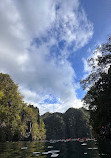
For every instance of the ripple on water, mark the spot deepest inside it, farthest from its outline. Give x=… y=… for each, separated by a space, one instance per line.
x=93 y=148
x=50 y=147
x=54 y=151
x=37 y=155
x=84 y=144
x=40 y=149
x=51 y=151
x=36 y=152
x=54 y=155
x=24 y=148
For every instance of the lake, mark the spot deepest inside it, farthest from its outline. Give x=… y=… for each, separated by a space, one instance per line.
x=59 y=149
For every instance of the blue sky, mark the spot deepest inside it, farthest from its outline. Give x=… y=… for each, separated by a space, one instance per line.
x=98 y=12
x=44 y=46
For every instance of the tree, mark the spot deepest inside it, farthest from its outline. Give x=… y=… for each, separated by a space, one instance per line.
x=18 y=121
x=99 y=64
x=42 y=130
x=10 y=106
x=98 y=86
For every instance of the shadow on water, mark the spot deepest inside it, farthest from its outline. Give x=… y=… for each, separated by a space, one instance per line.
x=70 y=149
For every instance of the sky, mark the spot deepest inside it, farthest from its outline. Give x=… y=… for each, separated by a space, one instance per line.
x=44 y=47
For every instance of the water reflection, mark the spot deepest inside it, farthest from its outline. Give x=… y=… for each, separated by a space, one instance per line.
x=21 y=149
x=77 y=150
x=70 y=149
x=104 y=147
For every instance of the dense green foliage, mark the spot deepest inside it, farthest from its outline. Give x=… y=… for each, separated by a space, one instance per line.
x=72 y=124
x=18 y=121
x=98 y=84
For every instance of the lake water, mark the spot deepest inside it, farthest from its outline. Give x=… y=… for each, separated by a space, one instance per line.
x=59 y=149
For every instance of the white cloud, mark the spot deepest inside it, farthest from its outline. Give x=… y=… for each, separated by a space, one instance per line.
x=59 y=106
x=36 y=16
x=62 y=107
x=76 y=27
x=87 y=68
x=34 y=67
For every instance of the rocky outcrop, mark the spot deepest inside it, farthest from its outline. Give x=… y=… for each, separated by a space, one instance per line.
x=71 y=124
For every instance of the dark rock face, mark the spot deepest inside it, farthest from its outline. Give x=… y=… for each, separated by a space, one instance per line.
x=72 y=124
x=76 y=123
x=55 y=125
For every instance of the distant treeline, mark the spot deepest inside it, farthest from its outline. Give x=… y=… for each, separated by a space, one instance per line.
x=18 y=121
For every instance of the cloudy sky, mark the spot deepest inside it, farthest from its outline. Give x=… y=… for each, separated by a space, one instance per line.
x=44 y=45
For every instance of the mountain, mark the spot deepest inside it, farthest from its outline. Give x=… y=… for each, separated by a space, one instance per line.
x=74 y=123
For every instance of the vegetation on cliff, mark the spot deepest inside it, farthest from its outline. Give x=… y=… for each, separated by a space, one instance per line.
x=71 y=124
x=18 y=121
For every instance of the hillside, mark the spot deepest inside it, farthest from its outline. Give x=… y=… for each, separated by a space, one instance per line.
x=71 y=124
x=18 y=120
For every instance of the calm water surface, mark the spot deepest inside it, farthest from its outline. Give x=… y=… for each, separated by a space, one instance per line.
x=70 y=149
